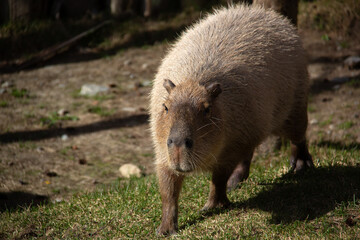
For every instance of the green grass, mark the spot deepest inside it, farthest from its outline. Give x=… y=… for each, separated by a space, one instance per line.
x=4 y=104
x=54 y=118
x=19 y=93
x=326 y=122
x=100 y=111
x=271 y=204
x=311 y=108
x=346 y=125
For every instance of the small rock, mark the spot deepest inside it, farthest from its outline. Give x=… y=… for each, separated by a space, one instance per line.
x=2 y=90
x=93 y=89
x=64 y=137
x=128 y=170
x=352 y=62
x=147 y=83
x=314 y=121
x=62 y=112
x=127 y=62
x=128 y=109
x=40 y=149
x=331 y=126
x=144 y=66
x=131 y=76
x=7 y=84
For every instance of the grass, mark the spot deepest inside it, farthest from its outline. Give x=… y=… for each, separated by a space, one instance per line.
x=19 y=93
x=100 y=111
x=346 y=125
x=320 y=204
x=326 y=122
x=4 y=104
x=54 y=118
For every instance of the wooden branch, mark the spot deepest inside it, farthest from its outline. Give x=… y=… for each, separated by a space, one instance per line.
x=59 y=48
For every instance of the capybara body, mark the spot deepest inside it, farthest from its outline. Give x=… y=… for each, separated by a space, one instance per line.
x=231 y=80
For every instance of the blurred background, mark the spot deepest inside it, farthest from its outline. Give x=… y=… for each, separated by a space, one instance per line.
x=75 y=78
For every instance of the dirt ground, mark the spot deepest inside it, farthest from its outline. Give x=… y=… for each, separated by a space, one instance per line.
x=46 y=157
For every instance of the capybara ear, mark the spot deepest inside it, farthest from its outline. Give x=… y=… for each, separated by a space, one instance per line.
x=168 y=85
x=213 y=89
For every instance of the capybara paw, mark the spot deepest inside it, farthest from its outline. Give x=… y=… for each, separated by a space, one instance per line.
x=165 y=231
x=218 y=204
x=300 y=165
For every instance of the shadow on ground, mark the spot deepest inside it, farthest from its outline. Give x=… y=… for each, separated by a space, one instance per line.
x=35 y=135
x=295 y=197
x=14 y=200
x=308 y=196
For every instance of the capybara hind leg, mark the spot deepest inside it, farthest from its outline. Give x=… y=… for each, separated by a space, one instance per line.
x=241 y=171
x=170 y=186
x=217 y=196
x=295 y=130
x=300 y=157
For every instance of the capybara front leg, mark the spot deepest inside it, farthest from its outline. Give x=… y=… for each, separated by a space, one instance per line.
x=300 y=157
x=217 y=196
x=170 y=186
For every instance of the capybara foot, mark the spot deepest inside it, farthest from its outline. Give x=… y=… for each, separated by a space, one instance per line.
x=211 y=204
x=166 y=230
x=300 y=159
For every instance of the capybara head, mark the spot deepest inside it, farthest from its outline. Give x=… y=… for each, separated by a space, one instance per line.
x=189 y=125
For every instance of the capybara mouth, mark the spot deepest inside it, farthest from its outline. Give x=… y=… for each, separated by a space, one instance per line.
x=183 y=170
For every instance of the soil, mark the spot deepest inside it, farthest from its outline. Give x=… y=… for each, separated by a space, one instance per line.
x=44 y=156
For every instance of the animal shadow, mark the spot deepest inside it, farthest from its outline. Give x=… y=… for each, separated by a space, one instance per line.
x=309 y=195
x=15 y=200
x=301 y=197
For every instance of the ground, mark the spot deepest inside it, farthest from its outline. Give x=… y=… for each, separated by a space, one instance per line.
x=44 y=156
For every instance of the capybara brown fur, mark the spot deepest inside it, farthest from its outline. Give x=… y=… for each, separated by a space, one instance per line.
x=231 y=80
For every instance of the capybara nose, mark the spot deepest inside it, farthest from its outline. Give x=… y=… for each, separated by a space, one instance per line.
x=188 y=143
x=179 y=142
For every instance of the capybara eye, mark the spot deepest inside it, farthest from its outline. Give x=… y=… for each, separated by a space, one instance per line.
x=166 y=109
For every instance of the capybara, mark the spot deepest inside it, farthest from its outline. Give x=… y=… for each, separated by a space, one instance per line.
x=231 y=80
